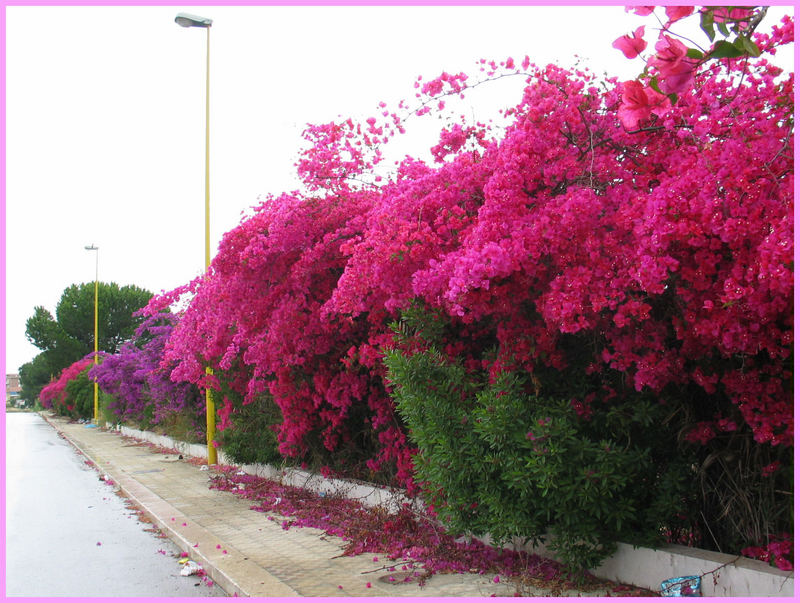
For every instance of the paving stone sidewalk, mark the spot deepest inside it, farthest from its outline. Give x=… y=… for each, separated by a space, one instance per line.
x=243 y=552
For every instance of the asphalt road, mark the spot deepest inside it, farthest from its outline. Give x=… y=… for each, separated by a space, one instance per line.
x=69 y=534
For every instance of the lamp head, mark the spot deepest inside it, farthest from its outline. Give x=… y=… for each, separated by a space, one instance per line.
x=91 y=248
x=187 y=20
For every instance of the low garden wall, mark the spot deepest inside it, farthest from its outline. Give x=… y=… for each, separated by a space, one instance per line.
x=722 y=575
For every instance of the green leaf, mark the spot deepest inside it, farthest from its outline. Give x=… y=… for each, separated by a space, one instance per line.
x=723 y=29
x=673 y=98
x=750 y=47
x=707 y=24
x=654 y=85
x=725 y=50
x=693 y=53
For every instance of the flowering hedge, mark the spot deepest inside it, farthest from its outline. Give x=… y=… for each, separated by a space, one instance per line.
x=140 y=389
x=67 y=395
x=635 y=236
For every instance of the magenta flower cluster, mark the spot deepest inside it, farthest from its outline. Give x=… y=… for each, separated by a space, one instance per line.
x=656 y=221
x=140 y=387
x=673 y=247
x=54 y=395
x=778 y=551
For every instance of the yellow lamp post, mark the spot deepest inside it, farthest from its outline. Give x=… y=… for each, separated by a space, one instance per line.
x=96 y=272
x=187 y=20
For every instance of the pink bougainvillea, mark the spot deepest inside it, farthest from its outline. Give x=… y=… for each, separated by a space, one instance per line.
x=660 y=229
x=631 y=45
x=675 y=69
x=778 y=552
x=54 y=394
x=639 y=103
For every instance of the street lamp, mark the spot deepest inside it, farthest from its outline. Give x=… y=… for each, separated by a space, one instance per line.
x=187 y=20
x=96 y=267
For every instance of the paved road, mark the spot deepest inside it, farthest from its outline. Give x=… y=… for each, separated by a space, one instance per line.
x=69 y=534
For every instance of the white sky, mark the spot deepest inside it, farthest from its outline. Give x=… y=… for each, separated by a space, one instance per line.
x=105 y=117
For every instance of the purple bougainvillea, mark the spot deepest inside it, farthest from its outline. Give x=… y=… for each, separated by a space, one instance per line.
x=140 y=386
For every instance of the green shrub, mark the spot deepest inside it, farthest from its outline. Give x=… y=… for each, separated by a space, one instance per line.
x=500 y=458
x=80 y=395
x=181 y=425
x=251 y=438
x=106 y=414
x=146 y=417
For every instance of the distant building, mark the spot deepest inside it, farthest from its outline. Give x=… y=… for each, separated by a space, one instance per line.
x=13 y=389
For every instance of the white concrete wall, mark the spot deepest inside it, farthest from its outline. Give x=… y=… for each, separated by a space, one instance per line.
x=725 y=575
x=722 y=575
x=198 y=450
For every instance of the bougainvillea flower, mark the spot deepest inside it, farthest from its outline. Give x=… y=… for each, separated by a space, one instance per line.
x=676 y=83
x=642 y=11
x=676 y=13
x=631 y=45
x=224 y=414
x=675 y=70
x=701 y=433
x=725 y=14
x=638 y=103
x=784 y=564
x=775 y=552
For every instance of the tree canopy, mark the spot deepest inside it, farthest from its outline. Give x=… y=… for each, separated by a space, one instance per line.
x=69 y=336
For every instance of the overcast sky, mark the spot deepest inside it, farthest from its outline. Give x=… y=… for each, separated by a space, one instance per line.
x=105 y=117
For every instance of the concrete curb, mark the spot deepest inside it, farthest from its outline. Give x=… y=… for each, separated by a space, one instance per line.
x=722 y=575
x=158 y=510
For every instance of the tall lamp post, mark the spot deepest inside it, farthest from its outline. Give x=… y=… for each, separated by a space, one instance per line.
x=96 y=273
x=187 y=20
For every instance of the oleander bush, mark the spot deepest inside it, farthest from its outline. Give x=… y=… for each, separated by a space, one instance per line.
x=516 y=457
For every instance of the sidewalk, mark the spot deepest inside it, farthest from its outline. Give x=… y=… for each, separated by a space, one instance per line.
x=243 y=552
